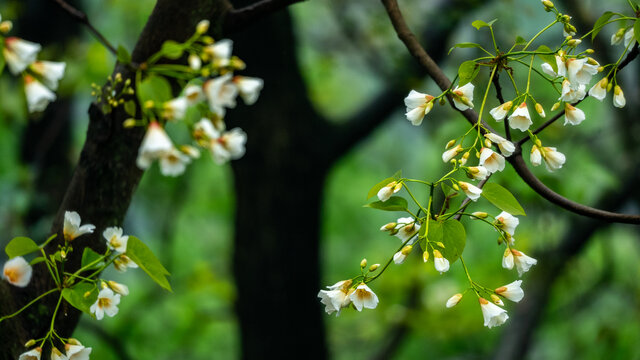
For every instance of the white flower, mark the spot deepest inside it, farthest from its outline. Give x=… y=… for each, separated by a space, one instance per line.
x=38 y=95
x=195 y=63
x=33 y=354
x=491 y=160
x=573 y=115
x=249 y=88
x=107 y=303
x=548 y=69
x=155 y=144
x=77 y=352
x=441 y=264
x=122 y=262
x=511 y=291
x=454 y=300
x=571 y=93
x=19 y=53
x=536 y=157
x=478 y=172
x=599 y=90
x=507 y=259
x=506 y=147
x=363 y=297
x=220 y=51
x=72 y=228
x=418 y=105
x=174 y=163
x=119 y=288
x=473 y=192
x=391 y=188
x=202 y=26
x=221 y=94
x=617 y=37
x=17 y=272
x=618 y=97
x=500 y=112
x=463 y=97
x=401 y=255
x=175 y=109
x=553 y=159
x=540 y=110
x=51 y=72
x=57 y=355
x=451 y=153
x=337 y=297
x=204 y=130
x=507 y=222
x=193 y=93
x=230 y=146
x=580 y=71
x=520 y=118
x=493 y=314
x=408 y=228
x=629 y=37
x=115 y=240
x=523 y=262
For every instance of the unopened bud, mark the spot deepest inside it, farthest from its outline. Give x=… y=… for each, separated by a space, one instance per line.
x=454 y=300
x=103 y=285
x=617 y=90
x=480 y=214
x=574 y=42
x=6 y=26
x=208 y=40
x=450 y=144
x=565 y=18
x=592 y=61
x=202 y=27
x=29 y=343
x=555 y=106
x=590 y=51
x=425 y=256
x=86 y=294
x=388 y=227
x=363 y=263
x=477 y=154
x=487 y=143
x=548 y=5
x=374 y=267
x=440 y=244
x=609 y=87
x=397 y=187
x=538 y=143
x=496 y=299
x=455 y=187
x=600 y=69
x=540 y=110
x=406 y=250
x=129 y=123
x=149 y=104
x=63 y=254
x=442 y=101
x=73 y=341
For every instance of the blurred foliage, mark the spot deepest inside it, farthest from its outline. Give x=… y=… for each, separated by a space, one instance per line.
x=594 y=311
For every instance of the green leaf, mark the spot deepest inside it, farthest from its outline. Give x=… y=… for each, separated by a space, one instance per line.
x=502 y=199
x=520 y=41
x=130 y=108
x=172 y=49
x=374 y=190
x=89 y=256
x=467 y=71
x=465 y=45
x=123 y=55
x=37 y=260
x=478 y=24
x=395 y=203
x=549 y=59
x=144 y=257
x=454 y=238
x=20 y=246
x=600 y=23
x=154 y=88
x=636 y=30
x=75 y=296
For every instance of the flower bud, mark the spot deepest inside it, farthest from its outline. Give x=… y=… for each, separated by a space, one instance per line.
x=202 y=27
x=388 y=227
x=450 y=144
x=496 y=299
x=480 y=214
x=29 y=343
x=6 y=26
x=487 y=143
x=129 y=123
x=609 y=87
x=397 y=187
x=555 y=106
x=425 y=256
x=72 y=341
x=406 y=250
x=548 y=5
x=574 y=42
x=207 y=40
x=540 y=110
x=119 y=288
x=590 y=51
x=454 y=300
x=363 y=263
x=149 y=104
x=442 y=101
x=374 y=267
x=538 y=143
x=86 y=294
x=455 y=187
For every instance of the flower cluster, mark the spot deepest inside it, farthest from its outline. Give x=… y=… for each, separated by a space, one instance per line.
x=40 y=77
x=73 y=350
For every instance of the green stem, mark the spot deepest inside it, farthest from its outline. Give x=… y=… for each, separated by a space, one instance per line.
x=26 y=306
x=390 y=260
x=539 y=33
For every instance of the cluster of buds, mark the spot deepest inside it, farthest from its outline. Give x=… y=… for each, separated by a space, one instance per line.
x=113 y=93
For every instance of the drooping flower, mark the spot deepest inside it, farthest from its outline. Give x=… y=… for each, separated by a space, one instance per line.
x=77 y=352
x=19 y=53
x=118 y=288
x=220 y=52
x=72 y=228
x=451 y=153
x=107 y=303
x=249 y=88
x=473 y=192
x=221 y=93
x=536 y=156
x=520 y=118
x=540 y=110
x=572 y=93
x=115 y=240
x=418 y=105
x=511 y=291
x=175 y=109
x=388 y=190
x=409 y=227
x=193 y=94
x=507 y=259
x=122 y=262
x=454 y=300
x=51 y=72
x=155 y=144
x=553 y=159
x=17 y=272
x=522 y=261
x=506 y=147
x=363 y=297
x=629 y=37
x=500 y=112
x=33 y=354
x=38 y=95
x=573 y=115
x=440 y=262
x=57 y=355
x=599 y=90
x=493 y=314
x=401 y=255
x=229 y=146
x=618 y=97
x=337 y=297
x=463 y=97
x=491 y=160
x=580 y=71
x=478 y=172
x=548 y=69
x=617 y=37
x=507 y=222
x=174 y=163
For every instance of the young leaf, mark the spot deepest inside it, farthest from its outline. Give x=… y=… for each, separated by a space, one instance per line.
x=478 y=24
x=123 y=55
x=374 y=190
x=600 y=23
x=502 y=199
x=130 y=108
x=465 y=45
x=20 y=246
x=39 y=259
x=454 y=238
x=548 y=58
x=89 y=256
x=155 y=88
x=395 y=203
x=467 y=71
x=172 y=49
x=75 y=296
x=636 y=30
x=520 y=41
x=144 y=257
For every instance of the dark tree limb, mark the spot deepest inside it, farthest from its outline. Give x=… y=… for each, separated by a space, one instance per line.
x=84 y=19
x=237 y=19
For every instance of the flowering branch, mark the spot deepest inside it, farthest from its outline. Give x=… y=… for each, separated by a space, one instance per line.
x=414 y=47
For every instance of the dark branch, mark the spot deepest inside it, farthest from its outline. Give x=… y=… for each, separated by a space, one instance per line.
x=83 y=19
x=414 y=47
x=237 y=19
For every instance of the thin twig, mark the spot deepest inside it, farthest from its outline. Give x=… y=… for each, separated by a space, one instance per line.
x=414 y=47
x=84 y=19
